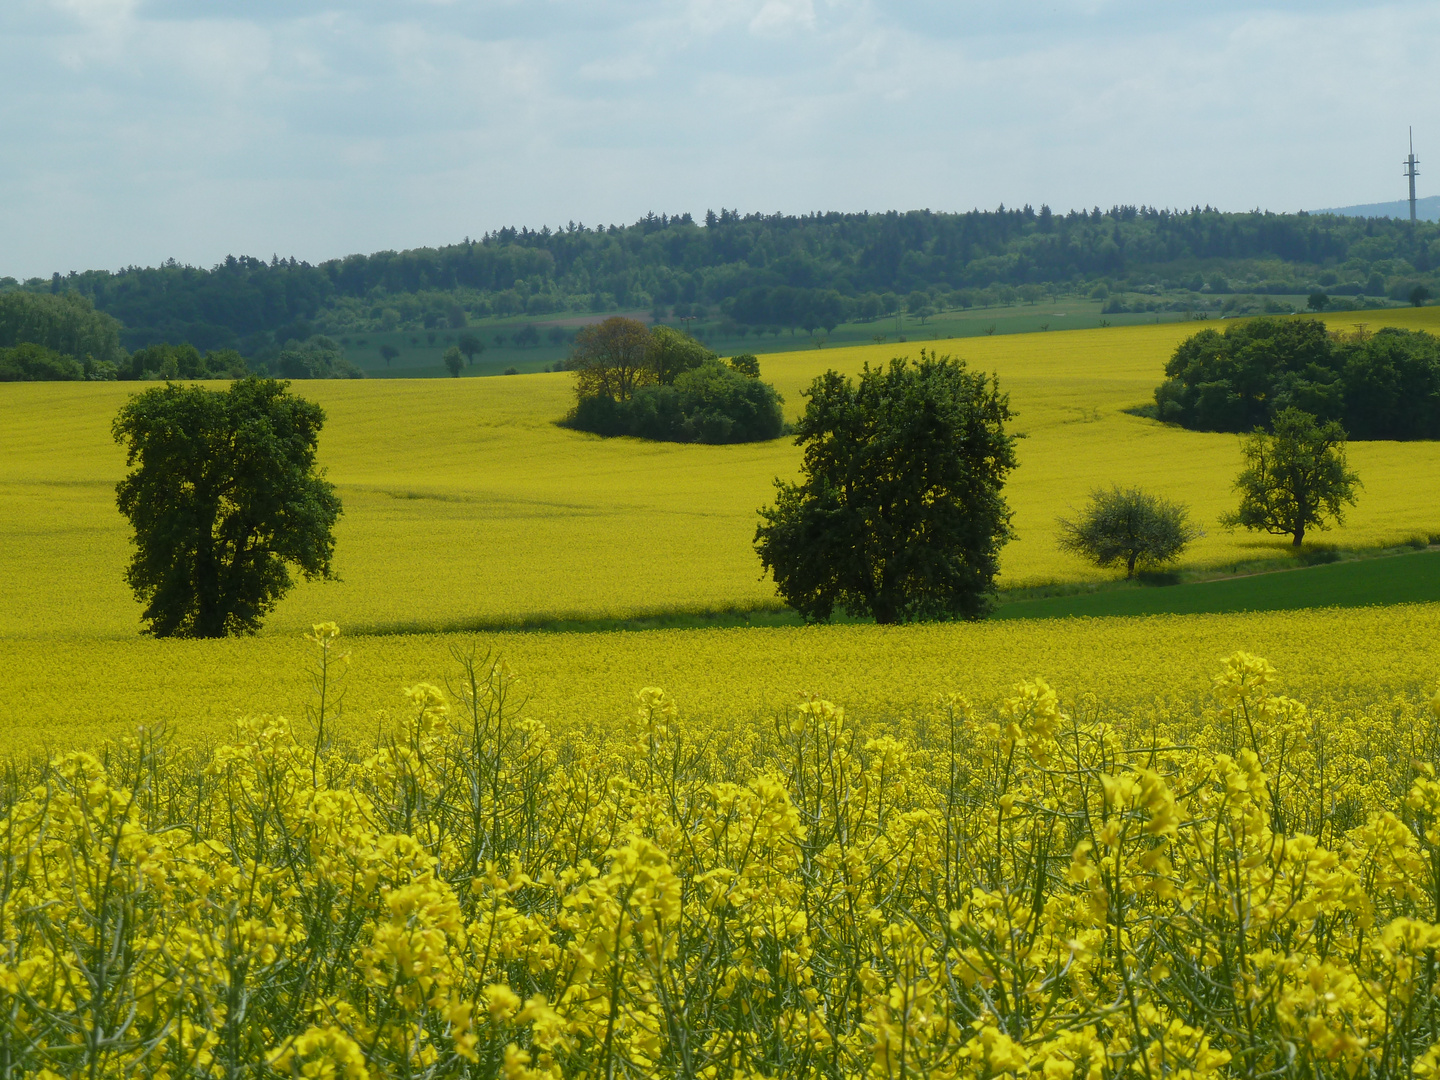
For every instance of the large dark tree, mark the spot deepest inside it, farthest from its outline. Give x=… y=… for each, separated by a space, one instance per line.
x=900 y=513
x=224 y=497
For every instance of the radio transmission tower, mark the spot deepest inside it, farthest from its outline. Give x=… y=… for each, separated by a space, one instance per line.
x=1411 y=172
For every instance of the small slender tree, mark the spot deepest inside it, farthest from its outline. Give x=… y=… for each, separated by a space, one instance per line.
x=454 y=362
x=1130 y=528
x=224 y=498
x=471 y=345
x=1294 y=479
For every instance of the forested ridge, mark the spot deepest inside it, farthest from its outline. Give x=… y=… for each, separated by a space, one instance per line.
x=741 y=265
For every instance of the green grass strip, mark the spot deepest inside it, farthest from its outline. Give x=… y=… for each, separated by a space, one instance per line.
x=1398 y=579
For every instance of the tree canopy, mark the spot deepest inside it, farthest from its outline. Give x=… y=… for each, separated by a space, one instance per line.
x=67 y=324
x=35 y=363
x=1384 y=385
x=673 y=353
x=1294 y=479
x=1128 y=527
x=900 y=512
x=612 y=359
x=224 y=498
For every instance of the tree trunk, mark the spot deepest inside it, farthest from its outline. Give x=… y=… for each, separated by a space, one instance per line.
x=209 y=620
x=1299 y=536
x=1130 y=567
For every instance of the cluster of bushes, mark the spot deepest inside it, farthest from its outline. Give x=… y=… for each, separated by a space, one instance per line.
x=661 y=384
x=55 y=338
x=1382 y=385
x=46 y=338
x=713 y=403
x=184 y=362
x=28 y=362
x=318 y=357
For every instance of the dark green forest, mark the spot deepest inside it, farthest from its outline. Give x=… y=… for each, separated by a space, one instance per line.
x=1382 y=385
x=765 y=271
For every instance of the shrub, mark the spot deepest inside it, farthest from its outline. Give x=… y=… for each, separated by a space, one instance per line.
x=29 y=362
x=184 y=362
x=708 y=404
x=1129 y=528
x=746 y=364
x=318 y=358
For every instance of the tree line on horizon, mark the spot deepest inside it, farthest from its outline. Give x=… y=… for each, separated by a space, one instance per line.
x=757 y=270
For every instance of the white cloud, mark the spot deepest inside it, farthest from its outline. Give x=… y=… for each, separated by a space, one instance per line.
x=779 y=17
x=318 y=127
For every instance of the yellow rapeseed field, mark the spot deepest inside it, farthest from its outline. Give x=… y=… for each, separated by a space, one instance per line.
x=62 y=695
x=1234 y=885
x=465 y=504
x=1069 y=849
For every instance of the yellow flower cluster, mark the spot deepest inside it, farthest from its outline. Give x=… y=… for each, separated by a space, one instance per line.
x=1250 y=888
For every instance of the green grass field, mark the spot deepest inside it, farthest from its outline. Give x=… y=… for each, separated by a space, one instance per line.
x=1396 y=579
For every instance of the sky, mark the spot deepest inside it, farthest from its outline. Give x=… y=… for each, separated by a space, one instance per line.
x=139 y=130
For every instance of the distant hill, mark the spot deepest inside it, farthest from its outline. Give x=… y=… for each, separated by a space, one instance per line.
x=765 y=272
x=1426 y=209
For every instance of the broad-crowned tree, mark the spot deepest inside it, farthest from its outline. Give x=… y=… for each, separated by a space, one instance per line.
x=611 y=359
x=470 y=344
x=1128 y=528
x=1294 y=479
x=899 y=513
x=224 y=498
